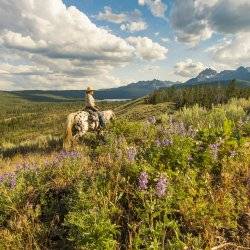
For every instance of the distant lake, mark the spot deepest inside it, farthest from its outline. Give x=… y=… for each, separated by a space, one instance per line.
x=113 y=100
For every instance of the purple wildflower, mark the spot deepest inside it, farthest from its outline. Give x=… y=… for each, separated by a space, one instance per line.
x=161 y=186
x=10 y=178
x=215 y=150
x=163 y=143
x=2 y=178
x=68 y=154
x=233 y=153
x=166 y=142
x=143 y=181
x=191 y=132
x=158 y=143
x=132 y=152
x=13 y=181
x=24 y=166
x=152 y=120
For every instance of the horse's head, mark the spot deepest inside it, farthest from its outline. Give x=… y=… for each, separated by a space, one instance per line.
x=109 y=115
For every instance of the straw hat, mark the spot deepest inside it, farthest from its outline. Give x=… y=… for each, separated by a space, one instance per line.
x=89 y=89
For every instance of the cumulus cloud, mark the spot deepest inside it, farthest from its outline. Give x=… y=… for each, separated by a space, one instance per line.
x=157 y=7
x=188 y=68
x=44 y=44
x=108 y=15
x=230 y=16
x=130 y=21
x=150 y=69
x=194 y=21
x=189 y=21
x=234 y=51
x=134 y=26
x=165 y=39
x=147 y=49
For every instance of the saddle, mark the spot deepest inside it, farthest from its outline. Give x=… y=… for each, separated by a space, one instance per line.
x=93 y=118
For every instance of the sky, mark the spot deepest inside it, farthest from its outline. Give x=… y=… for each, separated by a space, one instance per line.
x=72 y=44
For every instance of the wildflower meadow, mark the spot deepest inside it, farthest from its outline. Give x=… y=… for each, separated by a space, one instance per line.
x=176 y=180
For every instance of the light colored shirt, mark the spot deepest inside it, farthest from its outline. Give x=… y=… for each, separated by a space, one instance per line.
x=89 y=101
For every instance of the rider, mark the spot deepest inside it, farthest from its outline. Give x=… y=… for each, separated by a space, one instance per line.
x=91 y=106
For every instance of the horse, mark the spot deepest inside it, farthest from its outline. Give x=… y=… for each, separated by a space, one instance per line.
x=79 y=123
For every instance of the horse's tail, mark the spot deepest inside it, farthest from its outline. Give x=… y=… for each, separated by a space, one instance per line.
x=68 y=134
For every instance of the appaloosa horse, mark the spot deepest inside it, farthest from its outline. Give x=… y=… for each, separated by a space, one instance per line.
x=80 y=122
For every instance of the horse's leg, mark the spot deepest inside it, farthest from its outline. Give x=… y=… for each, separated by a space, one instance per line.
x=77 y=137
x=100 y=135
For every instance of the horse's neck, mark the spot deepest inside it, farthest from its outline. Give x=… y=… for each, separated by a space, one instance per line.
x=107 y=114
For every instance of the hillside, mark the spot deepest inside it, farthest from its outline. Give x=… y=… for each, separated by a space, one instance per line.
x=130 y=91
x=167 y=178
x=138 y=89
x=204 y=94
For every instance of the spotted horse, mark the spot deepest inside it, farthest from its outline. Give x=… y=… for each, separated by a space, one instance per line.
x=79 y=123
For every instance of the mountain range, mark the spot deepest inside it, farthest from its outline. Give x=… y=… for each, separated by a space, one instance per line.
x=141 y=88
x=209 y=75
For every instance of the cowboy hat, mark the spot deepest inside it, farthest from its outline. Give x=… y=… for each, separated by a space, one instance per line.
x=89 y=89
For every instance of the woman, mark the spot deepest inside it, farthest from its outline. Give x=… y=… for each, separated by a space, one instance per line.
x=91 y=107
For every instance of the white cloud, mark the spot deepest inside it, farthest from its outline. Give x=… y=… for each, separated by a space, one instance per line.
x=230 y=16
x=150 y=69
x=44 y=44
x=188 y=68
x=232 y=52
x=134 y=26
x=194 y=21
x=130 y=21
x=108 y=15
x=157 y=7
x=188 y=19
x=147 y=49
x=165 y=39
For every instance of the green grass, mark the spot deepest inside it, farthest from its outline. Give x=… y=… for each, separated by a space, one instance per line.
x=91 y=197
x=22 y=120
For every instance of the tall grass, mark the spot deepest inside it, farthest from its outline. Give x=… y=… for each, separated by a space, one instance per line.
x=174 y=182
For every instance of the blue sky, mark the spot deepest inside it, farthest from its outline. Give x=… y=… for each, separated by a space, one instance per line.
x=70 y=44
x=158 y=29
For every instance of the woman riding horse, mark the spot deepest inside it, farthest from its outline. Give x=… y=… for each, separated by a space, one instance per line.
x=91 y=107
x=79 y=123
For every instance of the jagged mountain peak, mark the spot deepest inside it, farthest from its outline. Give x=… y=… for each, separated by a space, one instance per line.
x=208 y=71
x=242 y=69
x=211 y=75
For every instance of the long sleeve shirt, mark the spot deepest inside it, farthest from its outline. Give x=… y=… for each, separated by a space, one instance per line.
x=89 y=101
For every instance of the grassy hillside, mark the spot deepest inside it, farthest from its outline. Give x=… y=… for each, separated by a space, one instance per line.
x=203 y=94
x=163 y=178
x=131 y=91
x=22 y=120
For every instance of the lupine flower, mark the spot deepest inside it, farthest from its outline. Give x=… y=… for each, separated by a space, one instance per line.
x=233 y=153
x=180 y=129
x=158 y=143
x=143 y=181
x=166 y=142
x=10 y=178
x=152 y=120
x=2 y=178
x=26 y=166
x=161 y=186
x=215 y=150
x=132 y=152
x=163 y=143
x=68 y=154
x=13 y=182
